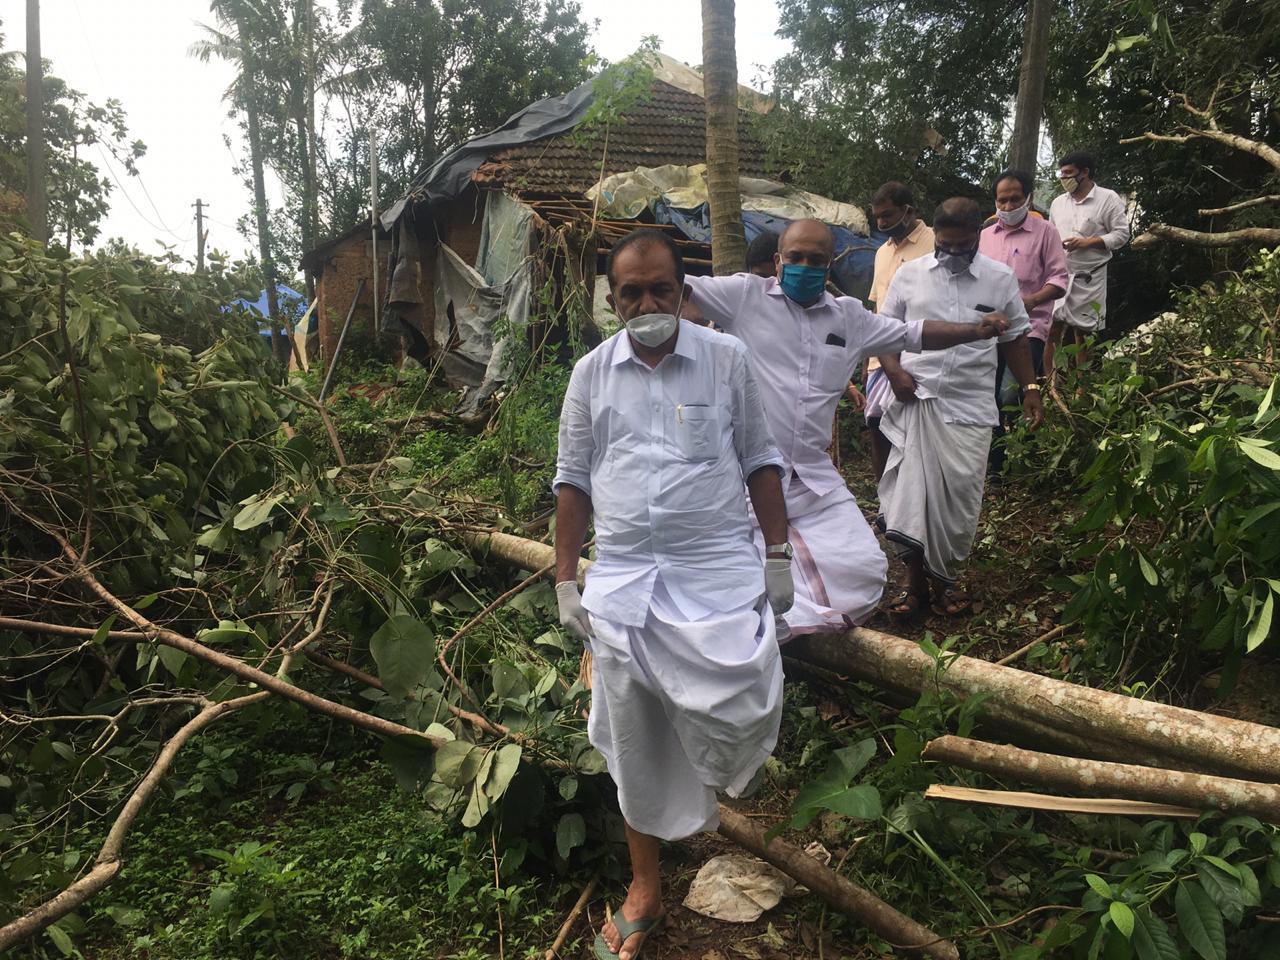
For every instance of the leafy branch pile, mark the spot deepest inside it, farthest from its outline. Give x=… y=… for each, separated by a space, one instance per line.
x=169 y=561
x=1174 y=444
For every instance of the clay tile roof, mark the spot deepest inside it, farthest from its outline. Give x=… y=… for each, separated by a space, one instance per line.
x=669 y=127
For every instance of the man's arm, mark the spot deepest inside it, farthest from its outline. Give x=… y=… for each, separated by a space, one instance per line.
x=1017 y=356
x=573 y=514
x=765 y=488
x=1115 y=224
x=719 y=298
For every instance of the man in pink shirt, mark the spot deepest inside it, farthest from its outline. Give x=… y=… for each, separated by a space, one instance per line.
x=1029 y=245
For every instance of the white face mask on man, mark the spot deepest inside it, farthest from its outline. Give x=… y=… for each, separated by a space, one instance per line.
x=654 y=329
x=1011 y=218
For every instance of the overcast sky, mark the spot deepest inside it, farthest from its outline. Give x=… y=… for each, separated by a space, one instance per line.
x=136 y=51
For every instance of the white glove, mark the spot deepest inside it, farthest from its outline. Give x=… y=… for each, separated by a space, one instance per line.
x=778 y=585
x=573 y=616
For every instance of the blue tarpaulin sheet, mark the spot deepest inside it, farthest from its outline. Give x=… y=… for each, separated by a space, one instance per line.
x=290 y=302
x=855 y=254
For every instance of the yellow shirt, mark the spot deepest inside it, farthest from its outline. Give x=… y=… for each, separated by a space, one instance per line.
x=890 y=256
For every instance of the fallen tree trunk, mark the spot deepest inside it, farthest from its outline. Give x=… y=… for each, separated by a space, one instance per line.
x=1068 y=716
x=1095 y=778
x=877 y=916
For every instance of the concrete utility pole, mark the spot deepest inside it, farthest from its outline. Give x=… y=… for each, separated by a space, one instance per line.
x=1030 y=106
x=37 y=205
x=200 y=235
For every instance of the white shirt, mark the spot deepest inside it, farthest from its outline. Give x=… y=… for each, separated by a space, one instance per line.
x=962 y=378
x=804 y=358
x=664 y=453
x=1100 y=213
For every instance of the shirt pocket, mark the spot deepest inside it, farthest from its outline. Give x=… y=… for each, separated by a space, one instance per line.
x=1089 y=227
x=698 y=432
x=831 y=369
x=1026 y=269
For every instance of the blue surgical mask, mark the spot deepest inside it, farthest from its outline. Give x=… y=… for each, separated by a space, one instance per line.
x=802 y=283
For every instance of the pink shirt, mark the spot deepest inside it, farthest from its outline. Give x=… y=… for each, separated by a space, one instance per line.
x=1033 y=249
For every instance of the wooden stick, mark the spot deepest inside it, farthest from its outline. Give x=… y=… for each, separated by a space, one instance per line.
x=570 y=920
x=1040 y=801
x=1043 y=638
x=1094 y=777
x=839 y=893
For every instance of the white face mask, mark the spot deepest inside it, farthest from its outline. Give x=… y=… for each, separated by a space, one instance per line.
x=1011 y=218
x=654 y=329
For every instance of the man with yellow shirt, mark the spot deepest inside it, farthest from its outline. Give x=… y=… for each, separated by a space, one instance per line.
x=894 y=209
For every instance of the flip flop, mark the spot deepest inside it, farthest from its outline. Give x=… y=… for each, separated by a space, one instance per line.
x=627 y=929
x=953 y=604
x=914 y=604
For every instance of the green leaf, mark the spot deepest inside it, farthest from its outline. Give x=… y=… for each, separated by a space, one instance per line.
x=1148 y=571
x=1266 y=402
x=220 y=898
x=1098 y=885
x=1200 y=921
x=1122 y=917
x=161 y=418
x=172 y=658
x=505 y=763
x=457 y=763
x=571 y=832
x=411 y=760
x=1260 y=455
x=60 y=940
x=1151 y=939
x=255 y=514
x=100 y=635
x=1261 y=627
x=405 y=651
x=568 y=787
x=225 y=632
x=477 y=805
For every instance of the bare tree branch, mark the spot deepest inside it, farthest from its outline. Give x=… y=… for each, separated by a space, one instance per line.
x=1157 y=232
x=1242 y=205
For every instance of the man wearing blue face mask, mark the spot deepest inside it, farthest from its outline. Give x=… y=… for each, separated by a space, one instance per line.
x=804 y=345
x=943 y=408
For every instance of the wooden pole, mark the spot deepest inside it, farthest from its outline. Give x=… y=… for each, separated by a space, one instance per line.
x=720 y=86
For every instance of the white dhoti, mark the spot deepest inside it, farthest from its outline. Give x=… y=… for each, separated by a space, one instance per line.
x=681 y=710
x=1085 y=304
x=838 y=567
x=931 y=491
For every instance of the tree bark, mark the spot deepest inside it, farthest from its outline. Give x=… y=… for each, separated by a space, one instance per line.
x=877 y=916
x=279 y=347
x=37 y=199
x=1025 y=143
x=1069 y=717
x=1095 y=778
x=720 y=85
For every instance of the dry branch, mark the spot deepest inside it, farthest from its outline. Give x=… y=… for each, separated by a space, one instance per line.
x=1039 y=801
x=840 y=893
x=1096 y=778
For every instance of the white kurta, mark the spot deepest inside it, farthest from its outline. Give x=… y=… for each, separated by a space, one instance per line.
x=804 y=358
x=681 y=710
x=687 y=676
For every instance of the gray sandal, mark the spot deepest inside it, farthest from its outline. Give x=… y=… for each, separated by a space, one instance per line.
x=627 y=929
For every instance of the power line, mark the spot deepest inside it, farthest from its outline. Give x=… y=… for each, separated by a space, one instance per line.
x=143 y=216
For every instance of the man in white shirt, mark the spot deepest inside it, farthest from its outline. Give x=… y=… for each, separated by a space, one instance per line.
x=940 y=418
x=804 y=345
x=1093 y=224
x=662 y=429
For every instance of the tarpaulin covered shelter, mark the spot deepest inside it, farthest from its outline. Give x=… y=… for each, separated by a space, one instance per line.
x=504 y=237
x=290 y=302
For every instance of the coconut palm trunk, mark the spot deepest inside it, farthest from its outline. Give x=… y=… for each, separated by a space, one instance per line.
x=720 y=83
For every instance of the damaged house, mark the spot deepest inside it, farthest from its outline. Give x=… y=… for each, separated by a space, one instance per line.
x=503 y=240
